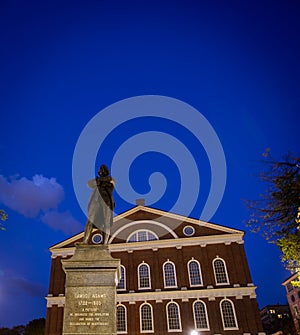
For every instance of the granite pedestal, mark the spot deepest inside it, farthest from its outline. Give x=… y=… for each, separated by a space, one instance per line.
x=90 y=291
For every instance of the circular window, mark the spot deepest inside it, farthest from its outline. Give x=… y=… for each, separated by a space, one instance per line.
x=293 y=298
x=97 y=238
x=189 y=231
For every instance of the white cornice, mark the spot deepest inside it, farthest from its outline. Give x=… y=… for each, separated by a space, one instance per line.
x=59 y=301
x=157 y=244
x=292 y=277
x=230 y=292
x=175 y=243
x=188 y=294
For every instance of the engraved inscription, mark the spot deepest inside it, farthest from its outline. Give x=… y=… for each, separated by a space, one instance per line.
x=88 y=310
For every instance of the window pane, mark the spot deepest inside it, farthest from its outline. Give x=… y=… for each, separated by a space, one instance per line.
x=169 y=273
x=173 y=317
x=121 y=284
x=194 y=272
x=144 y=276
x=200 y=315
x=151 y=236
x=228 y=314
x=142 y=235
x=220 y=271
x=146 y=318
x=121 y=319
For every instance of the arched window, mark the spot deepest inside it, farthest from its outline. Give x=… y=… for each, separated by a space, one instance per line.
x=220 y=271
x=122 y=282
x=200 y=315
x=169 y=274
x=228 y=314
x=144 y=276
x=142 y=235
x=173 y=316
x=121 y=319
x=194 y=273
x=146 y=318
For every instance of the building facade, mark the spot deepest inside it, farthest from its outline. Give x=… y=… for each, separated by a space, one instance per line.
x=293 y=297
x=178 y=276
x=277 y=318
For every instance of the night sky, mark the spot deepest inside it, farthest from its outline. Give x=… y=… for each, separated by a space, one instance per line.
x=64 y=62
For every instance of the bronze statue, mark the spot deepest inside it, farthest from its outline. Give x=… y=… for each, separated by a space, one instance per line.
x=101 y=204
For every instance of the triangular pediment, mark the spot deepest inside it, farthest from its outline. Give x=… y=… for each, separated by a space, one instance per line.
x=165 y=225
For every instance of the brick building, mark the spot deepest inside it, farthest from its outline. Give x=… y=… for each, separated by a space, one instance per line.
x=293 y=297
x=276 y=318
x=179 y=275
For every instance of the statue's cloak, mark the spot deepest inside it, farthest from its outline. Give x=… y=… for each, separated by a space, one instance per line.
x=101 y=204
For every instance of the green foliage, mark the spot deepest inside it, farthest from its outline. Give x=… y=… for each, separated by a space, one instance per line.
x=35 y=327
x=276 y=214
x=17 y=330
x=290 y=248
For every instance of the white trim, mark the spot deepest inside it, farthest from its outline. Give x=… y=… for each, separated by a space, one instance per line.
x=234 y=315
x=122 y=332
x=179 y=317
x=188 y=226
x=203 y=293
x=209 y=294
x=200 y=273
x=160 y=213
x=206 y=315
x=101 y=239
x=152 y=323
x=142 y=222
x=226 y=272
x=59 y=301
x=292 y=277
x=149 y=277
x=178 y=217
x=122 y=289
x=164 y=275
x=201 y=241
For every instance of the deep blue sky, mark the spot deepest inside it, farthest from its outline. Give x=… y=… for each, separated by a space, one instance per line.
x=61 y=62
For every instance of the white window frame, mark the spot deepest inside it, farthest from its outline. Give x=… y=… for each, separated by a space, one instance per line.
x=225 y=268
x=152 y=323
x=206 y=315
x=124 y=278
x=149 y=276
x=234 y=315
x=125 y=309
x=164 y=275
x=188 y=235
x=179 y=317
x=189 y=272
x=140 y=230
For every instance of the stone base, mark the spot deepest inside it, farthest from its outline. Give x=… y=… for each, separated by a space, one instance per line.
x=91 y=279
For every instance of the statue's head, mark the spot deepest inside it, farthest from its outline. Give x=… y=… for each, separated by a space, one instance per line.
x=103 y=171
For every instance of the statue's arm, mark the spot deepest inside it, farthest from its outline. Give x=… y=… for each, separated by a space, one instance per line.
x=92 y=183
x=113 y=181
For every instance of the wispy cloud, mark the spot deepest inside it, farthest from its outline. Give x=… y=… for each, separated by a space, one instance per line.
x=62 y=221
x=38 y=197
x=15 y=285
x=30 y=197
